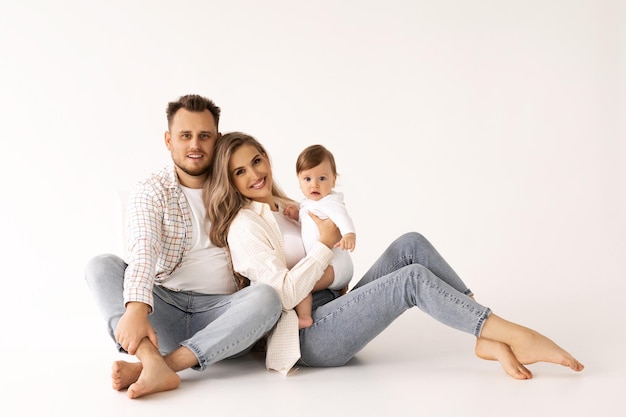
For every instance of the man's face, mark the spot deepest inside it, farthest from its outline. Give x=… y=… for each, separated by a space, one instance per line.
x=191 y=141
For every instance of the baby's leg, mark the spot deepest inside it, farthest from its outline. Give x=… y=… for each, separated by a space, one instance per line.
x=304 y=310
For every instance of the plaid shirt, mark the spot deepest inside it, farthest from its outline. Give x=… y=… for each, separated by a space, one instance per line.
x=159 y=233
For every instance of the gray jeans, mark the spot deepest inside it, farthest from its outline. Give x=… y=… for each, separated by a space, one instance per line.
x=213 y=327
x=410 y=273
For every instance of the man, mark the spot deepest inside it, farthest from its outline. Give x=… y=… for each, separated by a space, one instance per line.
x=174 y=302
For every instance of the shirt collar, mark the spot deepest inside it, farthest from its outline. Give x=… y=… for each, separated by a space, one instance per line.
x=171 y=180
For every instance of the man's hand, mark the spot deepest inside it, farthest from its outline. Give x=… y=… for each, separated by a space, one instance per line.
x=134 y=326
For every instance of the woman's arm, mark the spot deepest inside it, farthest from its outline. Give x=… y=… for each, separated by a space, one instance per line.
x=257 y=252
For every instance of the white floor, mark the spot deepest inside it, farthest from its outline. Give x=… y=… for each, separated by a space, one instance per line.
x=416 y=367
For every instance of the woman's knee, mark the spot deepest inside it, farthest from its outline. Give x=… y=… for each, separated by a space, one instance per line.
x=414 y=238
x=416 y=243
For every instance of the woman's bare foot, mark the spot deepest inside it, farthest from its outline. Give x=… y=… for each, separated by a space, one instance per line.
x=498 y=351
x=304 y=322
x=125 y=373
x=535 y=347
x=155 y=376
x=527 y=345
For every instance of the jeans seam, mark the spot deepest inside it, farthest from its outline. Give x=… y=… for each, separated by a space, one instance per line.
x=481 y=322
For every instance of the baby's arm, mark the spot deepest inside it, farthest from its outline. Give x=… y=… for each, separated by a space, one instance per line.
x=347 y=242
x=333 y=206
x=292 y=212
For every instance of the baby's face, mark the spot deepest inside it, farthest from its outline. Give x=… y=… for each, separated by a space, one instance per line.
x=317 y=182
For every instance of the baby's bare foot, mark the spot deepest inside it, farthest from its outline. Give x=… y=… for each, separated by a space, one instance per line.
x=304 y=322
x=498 y=351
x=155 y=376
x=124 y=373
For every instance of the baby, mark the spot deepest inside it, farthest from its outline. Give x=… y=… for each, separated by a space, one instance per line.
x=317 y=174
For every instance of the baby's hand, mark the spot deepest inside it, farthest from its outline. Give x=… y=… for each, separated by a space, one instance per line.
x=347 y=242
x=292 y=212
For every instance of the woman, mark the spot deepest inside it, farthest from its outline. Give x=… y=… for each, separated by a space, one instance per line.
x=245 y=208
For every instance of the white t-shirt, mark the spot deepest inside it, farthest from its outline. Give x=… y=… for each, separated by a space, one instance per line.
x=290 y=229
x=205 y=267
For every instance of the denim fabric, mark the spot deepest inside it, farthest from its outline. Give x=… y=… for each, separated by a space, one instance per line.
x=410 y=273
x=213 y=327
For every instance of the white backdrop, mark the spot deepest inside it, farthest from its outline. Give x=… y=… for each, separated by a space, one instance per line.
x=496 y=128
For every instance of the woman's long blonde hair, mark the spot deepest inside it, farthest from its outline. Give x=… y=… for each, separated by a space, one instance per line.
x=221 y=198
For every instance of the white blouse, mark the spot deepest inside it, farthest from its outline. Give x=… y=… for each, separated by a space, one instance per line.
x=258 y=252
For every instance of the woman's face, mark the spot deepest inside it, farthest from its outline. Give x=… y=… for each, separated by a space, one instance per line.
x=251 y=173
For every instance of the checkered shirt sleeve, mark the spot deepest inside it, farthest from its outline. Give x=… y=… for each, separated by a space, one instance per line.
x=158 y=220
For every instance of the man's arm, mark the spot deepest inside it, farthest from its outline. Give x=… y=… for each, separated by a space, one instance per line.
x=144 y=220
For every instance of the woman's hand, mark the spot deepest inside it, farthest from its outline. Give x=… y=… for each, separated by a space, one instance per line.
x=329 y=232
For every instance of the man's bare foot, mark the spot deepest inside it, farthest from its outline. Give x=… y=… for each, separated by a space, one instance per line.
x=304 y=322
x=125 y=373
x=535 y=347
x=498 y=351
x=155 y=376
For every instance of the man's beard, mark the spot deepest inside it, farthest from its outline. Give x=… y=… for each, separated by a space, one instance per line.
x=195 y=172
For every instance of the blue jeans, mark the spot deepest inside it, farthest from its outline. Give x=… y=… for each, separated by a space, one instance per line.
x=410 y=273
x=213 y=327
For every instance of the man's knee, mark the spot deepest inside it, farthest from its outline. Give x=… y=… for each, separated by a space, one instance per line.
x=102 y=264
x=265 y=299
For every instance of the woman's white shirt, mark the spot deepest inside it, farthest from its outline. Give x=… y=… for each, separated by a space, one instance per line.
x=257 y=250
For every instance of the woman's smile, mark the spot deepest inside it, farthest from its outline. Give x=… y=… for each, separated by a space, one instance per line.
x=257 y=185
